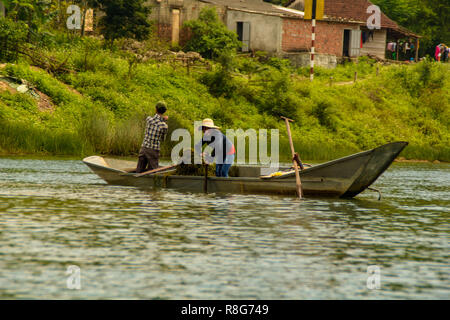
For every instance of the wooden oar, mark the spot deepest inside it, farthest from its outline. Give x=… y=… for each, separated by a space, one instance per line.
x=297 y=173
x=155 y=171
x=205 y=182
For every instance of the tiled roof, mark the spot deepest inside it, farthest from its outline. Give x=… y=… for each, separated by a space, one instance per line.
x=351 y=11
x=355 y=10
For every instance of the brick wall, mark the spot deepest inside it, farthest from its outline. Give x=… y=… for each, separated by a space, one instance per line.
x=329 y=36
x=165 y=31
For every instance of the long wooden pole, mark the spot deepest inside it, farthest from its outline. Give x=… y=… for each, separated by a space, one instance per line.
x=398 y=51
x=297 y=173
x=205 y=181
x=155 y=171
x=417 y=49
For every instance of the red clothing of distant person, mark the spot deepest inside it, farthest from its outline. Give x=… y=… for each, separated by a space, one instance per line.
x=438 y=53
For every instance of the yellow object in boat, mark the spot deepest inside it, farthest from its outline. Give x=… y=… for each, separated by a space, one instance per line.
x=277 y=174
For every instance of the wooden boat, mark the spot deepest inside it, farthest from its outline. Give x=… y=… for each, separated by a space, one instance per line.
x=346 y=177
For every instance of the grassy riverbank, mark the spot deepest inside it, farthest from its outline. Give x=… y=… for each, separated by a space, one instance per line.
x=100 y=107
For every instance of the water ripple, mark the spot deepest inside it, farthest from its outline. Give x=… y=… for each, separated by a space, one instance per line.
x=135 y=244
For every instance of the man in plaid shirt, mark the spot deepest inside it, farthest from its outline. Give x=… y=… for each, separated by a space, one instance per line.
x=155 y=132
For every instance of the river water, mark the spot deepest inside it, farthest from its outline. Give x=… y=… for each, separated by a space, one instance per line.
x=137 y=244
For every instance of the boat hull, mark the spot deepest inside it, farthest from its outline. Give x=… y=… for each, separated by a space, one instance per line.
x=346 y=177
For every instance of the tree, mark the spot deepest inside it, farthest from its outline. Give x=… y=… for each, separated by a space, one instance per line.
x=209 y=36
x=12 y=36
x=124 y=19
x=33 y=13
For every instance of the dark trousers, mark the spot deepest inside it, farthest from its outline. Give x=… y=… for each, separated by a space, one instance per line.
x=148 y=160
x=222 y=169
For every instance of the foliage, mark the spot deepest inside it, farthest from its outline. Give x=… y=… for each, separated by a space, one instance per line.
x=220 y=81
x=276 y=96
x=125 y=19
x=209 y=36
x=100 y=109
x=135 y=52
x=343 y=72
x=34 y=13
x=12 y=36
x=20 y=137
x=422 y=77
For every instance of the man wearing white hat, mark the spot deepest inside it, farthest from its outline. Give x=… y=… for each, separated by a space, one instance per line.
x=223 y=149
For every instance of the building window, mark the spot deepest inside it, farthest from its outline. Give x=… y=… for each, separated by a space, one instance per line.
x=243 y=31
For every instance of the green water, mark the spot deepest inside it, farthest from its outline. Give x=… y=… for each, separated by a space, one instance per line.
x=135 y=244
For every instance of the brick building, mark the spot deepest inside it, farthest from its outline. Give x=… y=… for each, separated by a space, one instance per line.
x=344 y=31
x=259 y=24
x=284 y=32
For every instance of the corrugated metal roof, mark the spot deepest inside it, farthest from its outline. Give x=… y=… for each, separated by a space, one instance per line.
x=257 y=6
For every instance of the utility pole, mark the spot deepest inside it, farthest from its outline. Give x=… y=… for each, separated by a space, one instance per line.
x=314 y=10
x=313 y=39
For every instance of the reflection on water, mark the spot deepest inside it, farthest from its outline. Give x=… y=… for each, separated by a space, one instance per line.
x=135 y=244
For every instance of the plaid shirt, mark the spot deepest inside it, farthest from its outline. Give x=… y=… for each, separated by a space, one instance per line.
x=155 y=132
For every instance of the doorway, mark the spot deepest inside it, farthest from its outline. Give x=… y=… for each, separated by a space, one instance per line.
x=346 y=51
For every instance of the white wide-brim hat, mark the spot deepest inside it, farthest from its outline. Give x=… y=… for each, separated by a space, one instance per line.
x=208 y=123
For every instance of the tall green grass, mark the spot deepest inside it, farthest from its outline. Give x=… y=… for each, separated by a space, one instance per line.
x=106 y=114
x=20 y=138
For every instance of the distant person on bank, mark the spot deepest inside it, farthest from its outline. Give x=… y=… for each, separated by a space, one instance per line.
x=155 y=132
x=223 y=149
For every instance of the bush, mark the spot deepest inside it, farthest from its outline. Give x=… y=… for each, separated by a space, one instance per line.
x=209 y=36
x=125 y=19
x=323 y=112
x=220 y=82
x=280 y=64
x=421 y=77
x=276 y=97
x=12 y=36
